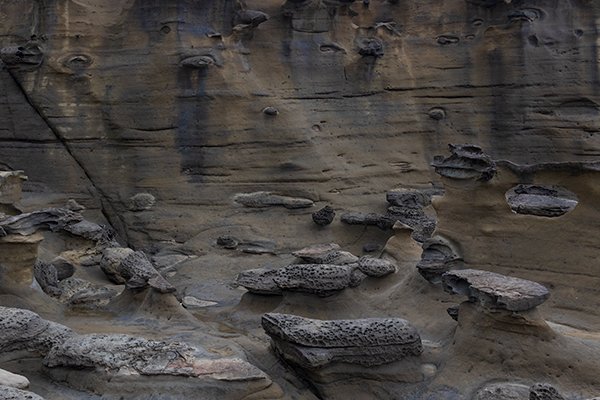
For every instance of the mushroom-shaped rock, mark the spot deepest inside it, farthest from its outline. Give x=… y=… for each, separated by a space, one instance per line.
x=467 y=161
x=376 y=267
x=268 y=199
x=543 y=201
x=438 y=257
x=25 y=330
x=11 y=183
x=52 y=219
x=312 y=343
x=495 y=291
x=329 y=253
x=11 y=393
x=324 y=216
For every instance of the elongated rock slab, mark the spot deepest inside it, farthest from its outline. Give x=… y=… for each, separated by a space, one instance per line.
x=313 y=343
x=495 y=291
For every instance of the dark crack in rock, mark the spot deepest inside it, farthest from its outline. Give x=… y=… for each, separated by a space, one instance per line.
x=312 y=343
x=495 y=291
x=453 y=312
x=540 y=200
x=53 y=219
x=324 y=216
x=268 y=199
x=466 y=162
x=438 y=257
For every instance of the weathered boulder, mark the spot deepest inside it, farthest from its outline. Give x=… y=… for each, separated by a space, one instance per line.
x=47 y=277
x=13 y=380
x=543 y=201
x=25 y=330
x=324 y=216
x=319 y=279
x=111 y=263
x=79 y=292
x=312 y=343
x=375 y=267
x=466 y=162
x=381 y=221
x=138 y=271
x=495 y=291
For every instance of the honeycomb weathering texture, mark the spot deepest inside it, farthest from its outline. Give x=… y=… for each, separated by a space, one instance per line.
x=313 y=344
x=342 y=333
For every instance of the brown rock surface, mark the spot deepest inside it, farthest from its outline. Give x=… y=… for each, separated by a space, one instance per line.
x=178 y=124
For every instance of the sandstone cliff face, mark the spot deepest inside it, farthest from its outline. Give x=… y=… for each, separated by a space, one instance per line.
x=168 y=120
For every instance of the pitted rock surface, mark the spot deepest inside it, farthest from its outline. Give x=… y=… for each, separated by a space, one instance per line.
x=111 y=263
x=543 y=201
x=342 y=333
x=11 y=393
x=319 y=279
x=466 y=162
x=495 y=291
x=259 y=281
x=408 y=198
x=25 y=330
x=544 y=391
x=313 y=343
x=376 y=267
x=324 y=216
